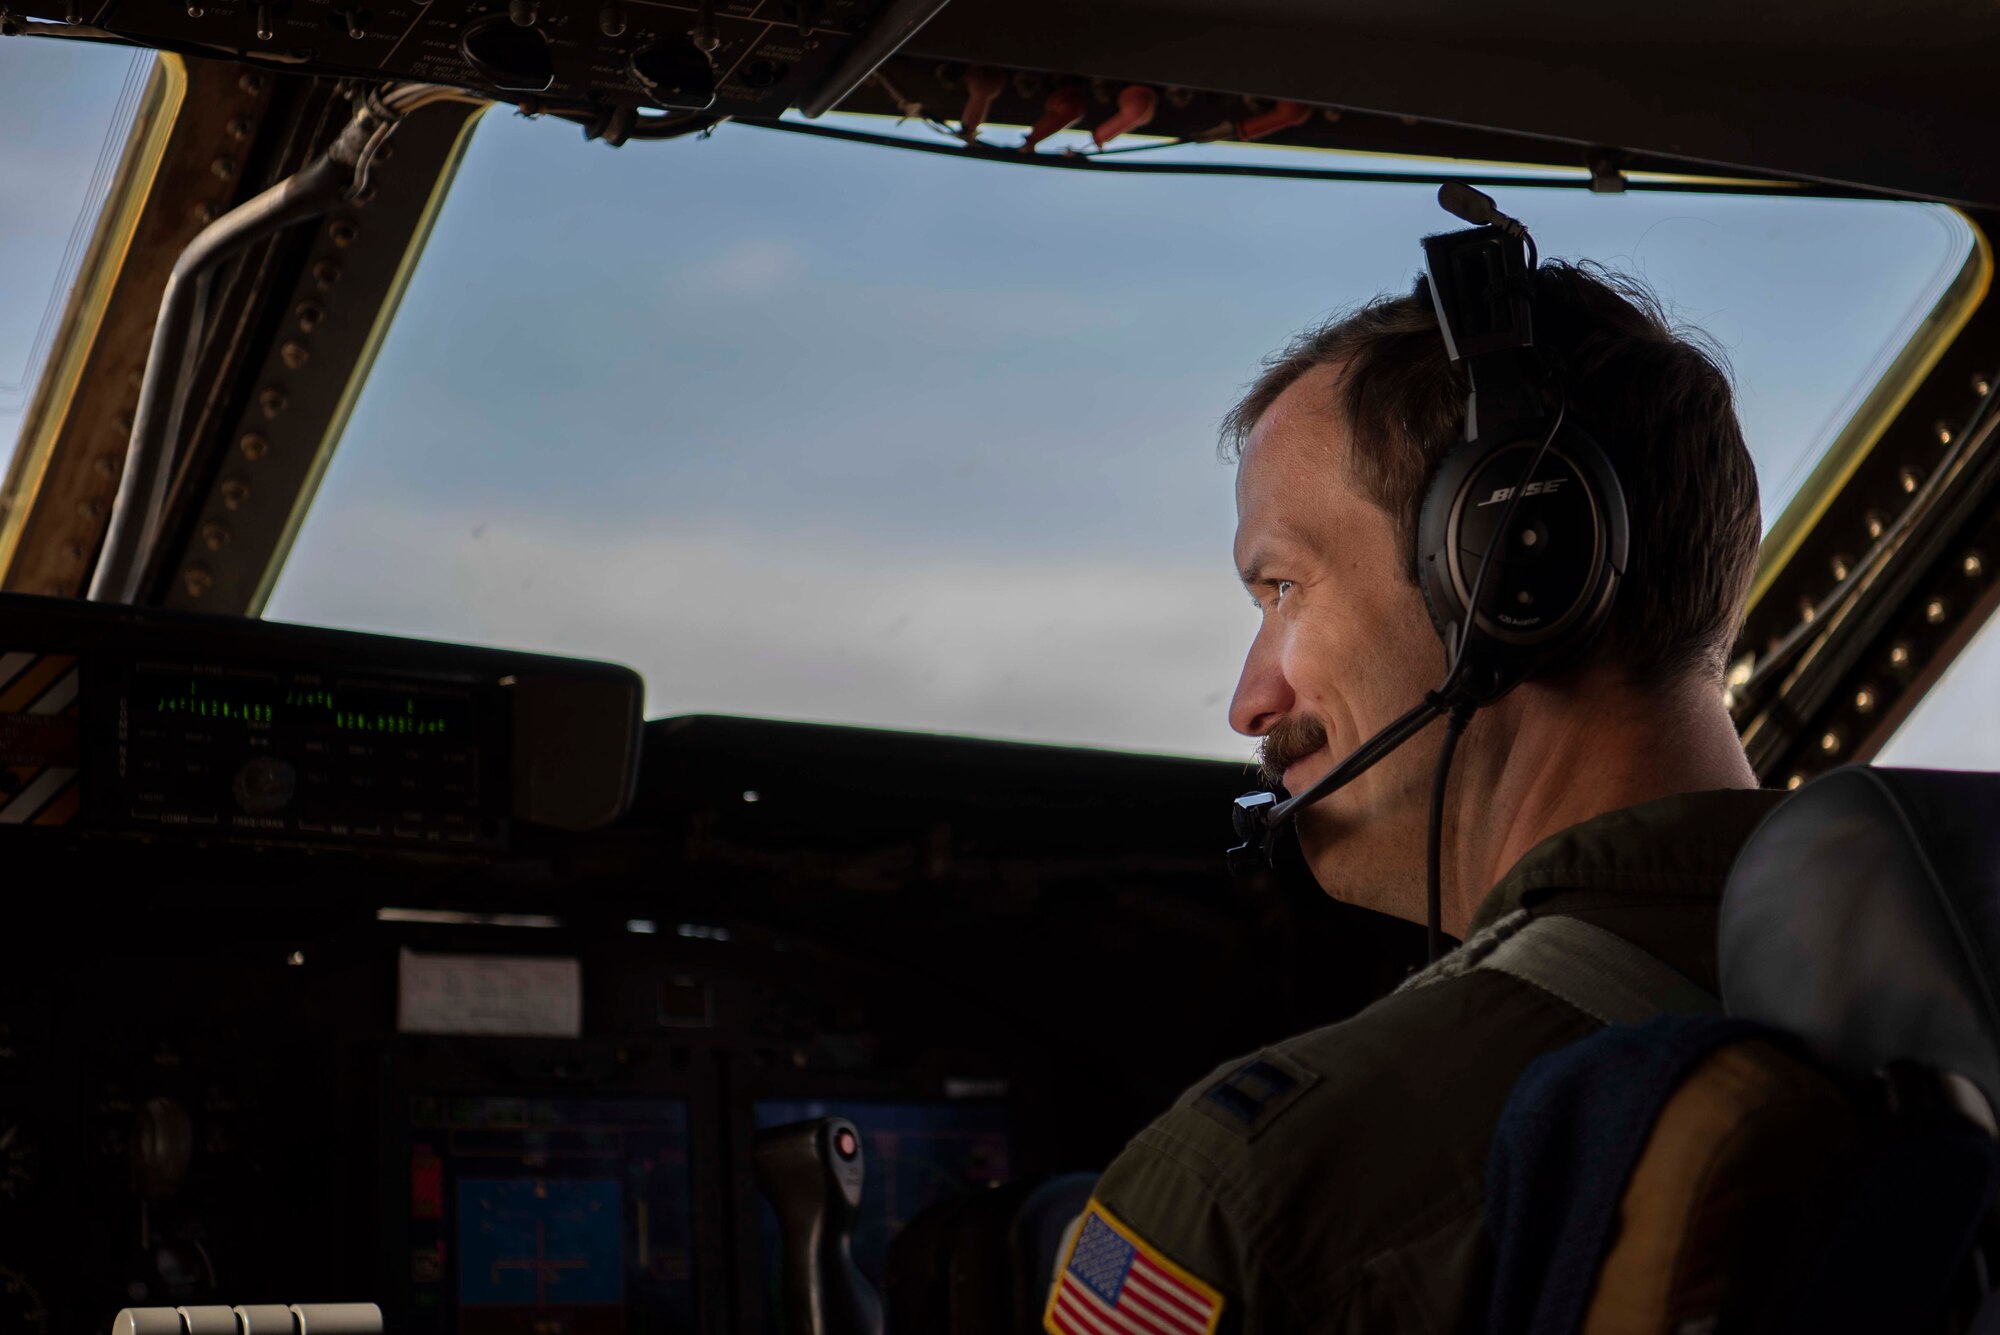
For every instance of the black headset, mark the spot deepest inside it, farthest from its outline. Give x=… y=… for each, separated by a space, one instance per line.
x=1522 y=536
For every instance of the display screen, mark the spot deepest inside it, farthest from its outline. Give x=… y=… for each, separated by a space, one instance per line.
x=260 y=699
x=544 y=1216
x=305 y=754
x=918 y=1153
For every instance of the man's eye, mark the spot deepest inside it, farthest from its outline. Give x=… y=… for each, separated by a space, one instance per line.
x=1284 y=587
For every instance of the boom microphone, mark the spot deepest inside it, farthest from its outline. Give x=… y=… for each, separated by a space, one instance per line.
x=1259 y=817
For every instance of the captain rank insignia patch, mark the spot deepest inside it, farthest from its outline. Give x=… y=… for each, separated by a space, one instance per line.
x=1114 y=1283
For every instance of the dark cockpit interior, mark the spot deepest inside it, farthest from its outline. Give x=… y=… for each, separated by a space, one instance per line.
x=444 y=980
x=350 y=968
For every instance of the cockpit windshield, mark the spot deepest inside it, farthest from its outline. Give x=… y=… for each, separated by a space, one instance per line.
x=838 y=432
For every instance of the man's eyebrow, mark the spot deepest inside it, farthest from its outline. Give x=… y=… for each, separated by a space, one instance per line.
x=1253 y=574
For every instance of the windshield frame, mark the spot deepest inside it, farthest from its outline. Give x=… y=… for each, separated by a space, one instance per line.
x=54 y=400
x=1876 y=414
x=1884 y=417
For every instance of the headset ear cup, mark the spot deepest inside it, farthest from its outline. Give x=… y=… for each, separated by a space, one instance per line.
x=1567 y=569
x=1442 y=621
x=1434 y=538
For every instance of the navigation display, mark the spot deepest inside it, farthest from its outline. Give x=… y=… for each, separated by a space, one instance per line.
x=540 y=1216
x=919 y=1152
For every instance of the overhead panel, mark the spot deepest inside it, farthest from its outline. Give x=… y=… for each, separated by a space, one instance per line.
x=1880 y=98
x=737 y=57
x=1888 y=97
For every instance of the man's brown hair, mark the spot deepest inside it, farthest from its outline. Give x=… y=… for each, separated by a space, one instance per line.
x=1655 y=396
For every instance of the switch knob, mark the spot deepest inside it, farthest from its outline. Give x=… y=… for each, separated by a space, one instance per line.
x=675 y=73
x=513 y=58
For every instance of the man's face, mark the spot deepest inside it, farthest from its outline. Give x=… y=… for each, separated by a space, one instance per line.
x=1345 y=645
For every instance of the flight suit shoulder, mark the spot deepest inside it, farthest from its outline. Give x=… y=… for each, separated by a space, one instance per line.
x=1299 y=1179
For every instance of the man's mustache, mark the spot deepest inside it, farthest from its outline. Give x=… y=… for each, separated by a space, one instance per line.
x=1292 y=740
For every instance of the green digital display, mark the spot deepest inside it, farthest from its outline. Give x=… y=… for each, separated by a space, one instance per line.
x=370 y=710
x=193 y=704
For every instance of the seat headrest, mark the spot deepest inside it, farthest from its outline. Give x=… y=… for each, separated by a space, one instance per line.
x=1864 y=915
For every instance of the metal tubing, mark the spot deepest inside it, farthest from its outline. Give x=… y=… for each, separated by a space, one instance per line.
x=135 y=514
x=896 y=24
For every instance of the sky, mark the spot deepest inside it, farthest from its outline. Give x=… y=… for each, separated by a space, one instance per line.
x=825 y=431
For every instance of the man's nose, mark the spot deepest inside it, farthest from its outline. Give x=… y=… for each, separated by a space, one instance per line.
x=1263 y=696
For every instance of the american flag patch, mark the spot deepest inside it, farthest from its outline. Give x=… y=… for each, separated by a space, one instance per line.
x=1113 y=1283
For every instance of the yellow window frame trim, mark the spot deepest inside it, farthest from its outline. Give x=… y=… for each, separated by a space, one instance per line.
x=111 y=244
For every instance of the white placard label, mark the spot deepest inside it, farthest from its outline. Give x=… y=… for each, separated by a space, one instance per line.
x=536 y=995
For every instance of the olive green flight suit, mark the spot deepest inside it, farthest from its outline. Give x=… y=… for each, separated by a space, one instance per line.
x=1336 y=1181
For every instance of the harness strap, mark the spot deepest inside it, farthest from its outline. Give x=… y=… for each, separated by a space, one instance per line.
x=1597 y=971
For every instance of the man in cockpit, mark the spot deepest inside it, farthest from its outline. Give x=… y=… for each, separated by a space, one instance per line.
x=1334 y=1182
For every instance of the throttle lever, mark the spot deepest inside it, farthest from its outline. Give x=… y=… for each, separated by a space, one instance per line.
x=811 y=1174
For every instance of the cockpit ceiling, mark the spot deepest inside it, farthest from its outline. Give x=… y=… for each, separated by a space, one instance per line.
x=1890 y=97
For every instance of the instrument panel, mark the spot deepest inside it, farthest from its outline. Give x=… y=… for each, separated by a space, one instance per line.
x=114 y=720
x=740 y=57
x=259 y=1043
x=308 y=753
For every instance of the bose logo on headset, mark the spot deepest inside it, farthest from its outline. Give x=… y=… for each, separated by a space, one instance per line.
x=1532 y=489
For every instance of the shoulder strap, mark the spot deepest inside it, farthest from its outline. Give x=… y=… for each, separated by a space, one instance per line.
x=1597 y=971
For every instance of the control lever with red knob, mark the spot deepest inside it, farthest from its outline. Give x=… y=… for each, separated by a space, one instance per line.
x=1064 y=108
x=1136 y=107
x=982 y=85
x=811 y=1174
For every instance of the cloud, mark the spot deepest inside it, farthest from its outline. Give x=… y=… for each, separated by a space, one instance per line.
x=747 y=268
x=1095 y=652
